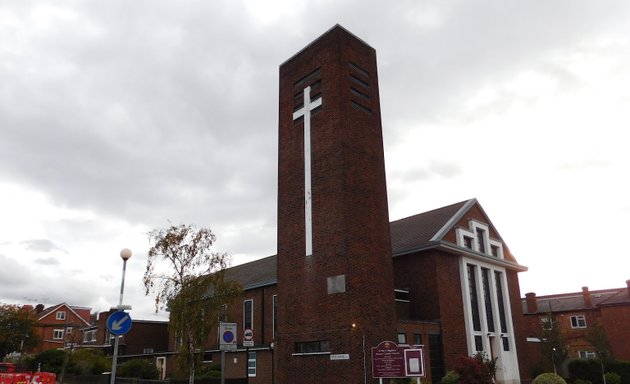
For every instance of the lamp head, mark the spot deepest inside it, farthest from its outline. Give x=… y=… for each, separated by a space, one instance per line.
x=125 y=254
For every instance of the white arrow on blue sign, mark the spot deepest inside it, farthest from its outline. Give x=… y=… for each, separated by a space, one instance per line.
x=119 y=323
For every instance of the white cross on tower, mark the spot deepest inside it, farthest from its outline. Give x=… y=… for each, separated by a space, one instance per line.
x=305 y=111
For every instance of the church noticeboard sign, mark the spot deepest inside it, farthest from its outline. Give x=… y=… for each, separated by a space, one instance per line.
x=392 y=361
x=388 y=360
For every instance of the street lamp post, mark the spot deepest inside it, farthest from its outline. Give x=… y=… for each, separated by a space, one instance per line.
x=125 y=254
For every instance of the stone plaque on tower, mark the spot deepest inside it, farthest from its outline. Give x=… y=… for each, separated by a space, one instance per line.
x=335 y=280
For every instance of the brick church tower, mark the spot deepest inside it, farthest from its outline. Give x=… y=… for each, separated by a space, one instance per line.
x=335 y=279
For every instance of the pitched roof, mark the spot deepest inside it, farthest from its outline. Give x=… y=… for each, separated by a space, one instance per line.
x=408 y=235
x=254 y=274
x=574 y=301
x=74 y=309
x=414 y=232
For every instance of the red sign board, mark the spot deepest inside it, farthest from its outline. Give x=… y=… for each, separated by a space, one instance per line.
x=414 y=362
x=388 y=360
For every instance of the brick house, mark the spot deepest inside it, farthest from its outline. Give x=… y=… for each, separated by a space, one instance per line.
x=576 y=314
x=66 y=326
x=144 y=337
x=60 y=325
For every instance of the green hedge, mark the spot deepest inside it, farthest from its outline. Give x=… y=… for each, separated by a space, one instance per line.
x=591 y=370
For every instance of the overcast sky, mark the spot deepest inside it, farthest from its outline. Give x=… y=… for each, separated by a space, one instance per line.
x=117 y=117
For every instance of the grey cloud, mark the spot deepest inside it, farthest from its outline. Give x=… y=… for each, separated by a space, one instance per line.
x=49 y=261
x=41 y=245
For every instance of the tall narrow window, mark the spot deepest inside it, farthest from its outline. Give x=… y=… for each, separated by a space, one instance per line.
x=248 y=314
x=498 y=279
x=487 y=298
x=275 y=315
x=251 y=364
x=474 y=302
x=436 y=358
x=481 y=240
x=417 y=339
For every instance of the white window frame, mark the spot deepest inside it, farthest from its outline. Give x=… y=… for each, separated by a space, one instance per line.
x=402 y=338
x=58 y=334
x=485 y=334
x=579 y=320
x=587 y=355
x=60 y=315
x=89 y=336
x=251 y=364
x=471 y=232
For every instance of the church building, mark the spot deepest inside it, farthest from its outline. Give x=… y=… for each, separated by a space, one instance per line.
x=345 y=278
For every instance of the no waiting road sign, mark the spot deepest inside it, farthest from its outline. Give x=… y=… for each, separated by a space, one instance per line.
x=227 y=339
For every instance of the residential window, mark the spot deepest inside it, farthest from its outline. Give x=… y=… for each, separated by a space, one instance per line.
x=275 y=315
x=60 y=315
x=321 y=346
x=468 y=242
x=147 y=350
x=587 y=354
x=89 y=336
x=578 y=321
x=251 y=364
x=58 y=334
x=481 y=241
x=402 y=338
x=546 y=323
x=494 y=250
x=69 y=330
x=417 y=339
x=248 y=314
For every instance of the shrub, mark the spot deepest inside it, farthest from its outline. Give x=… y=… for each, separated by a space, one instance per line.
x=586 y=369
x=138 y=368
x=451 y=377
x=580 y=381
x=548 y=378
x=612 y=378
x=476 y=369
x=47 y=361
x=88 y=362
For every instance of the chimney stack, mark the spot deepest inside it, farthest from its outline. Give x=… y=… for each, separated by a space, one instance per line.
x=587 y=297
x=628 y=285
x=532 y=303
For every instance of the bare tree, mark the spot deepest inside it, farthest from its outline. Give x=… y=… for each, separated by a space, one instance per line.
x=187 y=277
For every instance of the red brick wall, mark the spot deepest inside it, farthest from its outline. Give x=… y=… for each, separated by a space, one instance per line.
x=615 y=320
x=350 y=216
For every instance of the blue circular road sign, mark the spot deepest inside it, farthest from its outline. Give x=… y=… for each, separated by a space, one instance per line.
x=228 y=336
x=119 y=323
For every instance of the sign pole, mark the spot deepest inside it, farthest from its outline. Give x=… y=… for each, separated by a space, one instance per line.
x=247 y=365
x=222 y=367
x=125 y=254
